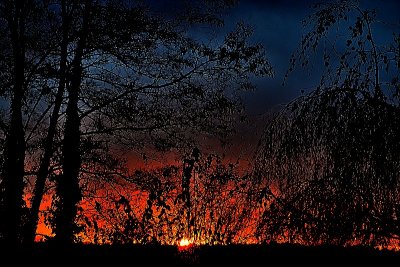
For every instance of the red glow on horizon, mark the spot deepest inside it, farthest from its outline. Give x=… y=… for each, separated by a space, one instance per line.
x=184 y=244
x=138 y=201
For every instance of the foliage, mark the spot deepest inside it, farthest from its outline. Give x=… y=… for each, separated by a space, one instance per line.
x=152 y=210
x=330 y=159
x=94 y=77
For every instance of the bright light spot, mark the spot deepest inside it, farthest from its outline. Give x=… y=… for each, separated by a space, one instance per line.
x=185 y=245
x=184 y=242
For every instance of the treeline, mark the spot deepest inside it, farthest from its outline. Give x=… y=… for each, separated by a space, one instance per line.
x=205 y=201
x=83 y=80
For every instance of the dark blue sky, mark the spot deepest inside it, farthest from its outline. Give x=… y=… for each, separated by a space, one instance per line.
x=278 y=26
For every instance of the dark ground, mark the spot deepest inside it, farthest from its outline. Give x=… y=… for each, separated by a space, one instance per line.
x=233 y=255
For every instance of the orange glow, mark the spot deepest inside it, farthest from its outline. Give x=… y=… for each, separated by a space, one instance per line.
x=43 y=231
x=184 y=244
x=107 y=198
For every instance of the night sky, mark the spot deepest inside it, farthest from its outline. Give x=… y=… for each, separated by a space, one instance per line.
x=278 y=26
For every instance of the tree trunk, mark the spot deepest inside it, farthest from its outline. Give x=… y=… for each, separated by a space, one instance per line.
x=48 y=144
x=68 y=189
x=188 y=166
x=14 y=153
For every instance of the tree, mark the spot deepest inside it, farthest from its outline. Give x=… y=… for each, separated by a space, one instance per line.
x=330 y=158
x=14 y=153
x=68 y=184
x=93 y=76
x=127 y=76
x=20 y=24
x=43 y=170
x=150 y=206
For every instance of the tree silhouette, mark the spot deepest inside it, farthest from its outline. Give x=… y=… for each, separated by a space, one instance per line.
x=104 y=75
x=20 y=56
x=330 y=158
x=14 y=152
x=48 y=150
x=172 y=90
x=153 y=208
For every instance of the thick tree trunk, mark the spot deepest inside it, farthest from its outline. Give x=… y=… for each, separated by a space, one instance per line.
x=68 y=189
x=14 y=153
x=13 y=169
x=49 y=141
